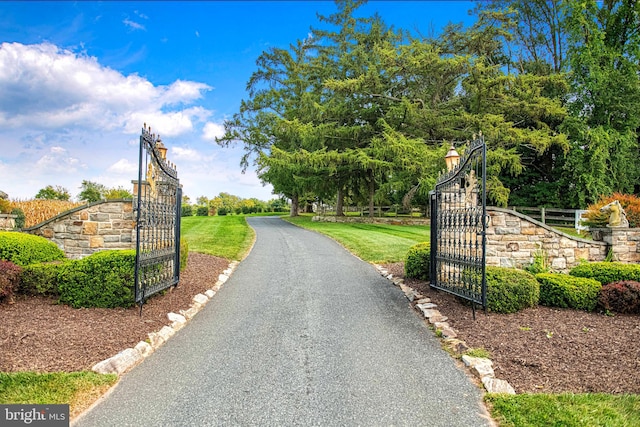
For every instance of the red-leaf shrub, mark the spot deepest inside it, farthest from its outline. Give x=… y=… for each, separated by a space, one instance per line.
x=629 y=202
x=9 y=279
x=621 y=297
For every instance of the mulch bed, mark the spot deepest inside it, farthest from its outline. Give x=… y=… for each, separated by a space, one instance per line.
x=36 y=334
x=547 y=350
x=536 y=350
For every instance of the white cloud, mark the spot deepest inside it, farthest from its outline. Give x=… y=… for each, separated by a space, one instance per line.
x=57 y=149
x=133 y=25
x=124 y=167
x=212 y=130
x=186 y=154
x=46 y=87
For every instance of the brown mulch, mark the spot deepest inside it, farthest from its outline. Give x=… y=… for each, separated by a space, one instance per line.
x=547 y=350
x=536 y=350
x=36 y=334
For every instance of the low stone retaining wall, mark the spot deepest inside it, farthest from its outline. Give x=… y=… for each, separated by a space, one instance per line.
x=374 y=220
x=91 y=228
x=7 y=222
x=513 y=239
x=624 y=242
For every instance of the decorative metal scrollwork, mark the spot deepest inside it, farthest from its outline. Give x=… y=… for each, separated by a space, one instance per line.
x=458 y=227
x=157 y=208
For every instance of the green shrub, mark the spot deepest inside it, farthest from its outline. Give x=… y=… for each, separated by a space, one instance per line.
x=187 y=210
x=621 y=297
x=104 y=279
x=222 y=211
x=184 y=253
x=564 y=291
x=202 y=211
x=418 y=262
x=41 y=278
x=20 y=217
x=607 y=272
x=24 y=249
x=9 y=279
x=510 y=290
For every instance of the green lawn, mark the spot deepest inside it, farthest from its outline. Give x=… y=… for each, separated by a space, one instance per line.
x=230 y=237
x=377 y=243
x=224 y=236
x=79 y=389
x=566 y=410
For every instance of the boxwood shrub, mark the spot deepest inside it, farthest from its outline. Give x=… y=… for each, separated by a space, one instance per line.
x=104 y=279
x=41 y=278
x=607 y=272
x=418 y=262
x=565 y=291
x=510 y=290
x=621 y=297
x=24 y=249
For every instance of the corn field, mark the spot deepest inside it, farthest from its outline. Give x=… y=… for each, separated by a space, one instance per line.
x=37 y=211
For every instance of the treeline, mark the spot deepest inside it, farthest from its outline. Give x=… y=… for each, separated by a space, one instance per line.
x=360 y=112
x=228 y=204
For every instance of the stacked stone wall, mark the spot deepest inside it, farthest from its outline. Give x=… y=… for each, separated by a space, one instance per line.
x=7 y=222
x=513 y=240
x=91 y=228
x=624 y=242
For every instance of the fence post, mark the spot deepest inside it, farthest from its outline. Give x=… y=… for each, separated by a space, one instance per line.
x=542 y=215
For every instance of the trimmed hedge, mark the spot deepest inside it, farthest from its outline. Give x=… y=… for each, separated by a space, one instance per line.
x=9 y=279
x=418 y=262
x=621 y=297
x=607 y=272
x=510 y=290
x=42 y=278
x=23 y=249
x=104 y=279
x=564 y=291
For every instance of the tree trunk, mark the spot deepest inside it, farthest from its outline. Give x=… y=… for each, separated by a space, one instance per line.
x=340 y=202
x=294 y=205
x=372 y=190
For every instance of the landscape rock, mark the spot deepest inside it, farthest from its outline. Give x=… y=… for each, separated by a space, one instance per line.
x=480 y=366
x=119 y=363
x=200 y=299
x=428 y=305
x=494 y=385
x=173 y=317
x=223 y=278
x=144 y=348
x=456 y=345
x=210 y=293
x=190 y=312
x=424 y=300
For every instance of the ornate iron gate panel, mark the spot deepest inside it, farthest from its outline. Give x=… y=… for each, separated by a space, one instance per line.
x=157 y=210
x=458 y=227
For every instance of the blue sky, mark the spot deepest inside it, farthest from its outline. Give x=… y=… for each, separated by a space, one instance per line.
x=79 y=79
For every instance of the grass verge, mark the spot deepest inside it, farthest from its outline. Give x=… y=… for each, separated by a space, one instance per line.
x=228 y=237
x=567 y=410
x=379 y=243
x=78 y=389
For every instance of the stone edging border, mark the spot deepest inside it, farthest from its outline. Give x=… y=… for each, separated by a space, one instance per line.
x=130 y=357
x=480 y=367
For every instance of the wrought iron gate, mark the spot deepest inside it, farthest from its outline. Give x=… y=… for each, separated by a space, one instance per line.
x=458 y=227
x=157 y=208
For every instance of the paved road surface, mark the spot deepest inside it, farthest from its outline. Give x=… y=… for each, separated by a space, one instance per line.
x=302 y=334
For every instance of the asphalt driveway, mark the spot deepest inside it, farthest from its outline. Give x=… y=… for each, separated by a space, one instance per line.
x=305 y=334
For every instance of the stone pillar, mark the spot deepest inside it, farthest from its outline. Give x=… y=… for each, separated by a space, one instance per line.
x=624 y=242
